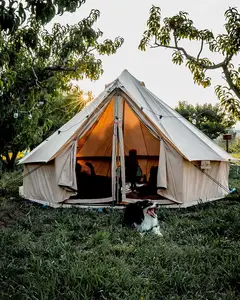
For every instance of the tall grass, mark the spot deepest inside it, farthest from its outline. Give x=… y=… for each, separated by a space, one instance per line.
x=84 y=254
x=10 y=182
x=76 y=254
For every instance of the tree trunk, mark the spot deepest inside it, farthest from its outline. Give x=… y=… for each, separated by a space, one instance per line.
x=11 y=161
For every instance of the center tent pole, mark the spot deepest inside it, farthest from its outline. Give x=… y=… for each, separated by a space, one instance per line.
x=114 y=162
x=121 y=145
x=118 y=150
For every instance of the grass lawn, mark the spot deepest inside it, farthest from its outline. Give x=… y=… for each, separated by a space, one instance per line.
x=75 y=254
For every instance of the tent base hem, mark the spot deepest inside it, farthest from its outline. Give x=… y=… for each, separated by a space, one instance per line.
x=167 y=203
x=88 y=201
x=196 y=202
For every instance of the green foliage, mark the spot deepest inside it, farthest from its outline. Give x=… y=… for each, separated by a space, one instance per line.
x=9 y=182
x=14 y=13
x=210 y=119
x=37 y=66
x=77 y=254
x=235 y=147
x=234 y=172
x=177 y=57
x=170 y=31
x=65 y=107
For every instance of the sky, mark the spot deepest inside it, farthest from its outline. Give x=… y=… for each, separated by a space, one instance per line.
x=127 y=18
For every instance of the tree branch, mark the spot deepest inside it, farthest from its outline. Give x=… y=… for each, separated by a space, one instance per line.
x=61 y=68
x=200 y=50
x=55 y=68
x=232 y=86
x=175 y=40
x=36 y=82
x=192 y=58
x=58 y=68
x=7 y=157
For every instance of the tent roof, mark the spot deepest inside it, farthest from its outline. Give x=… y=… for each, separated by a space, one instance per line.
x=189 y=141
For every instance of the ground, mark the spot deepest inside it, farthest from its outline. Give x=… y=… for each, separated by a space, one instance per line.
x=51 y=253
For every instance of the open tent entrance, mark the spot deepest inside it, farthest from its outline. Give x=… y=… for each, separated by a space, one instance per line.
x=105 y=146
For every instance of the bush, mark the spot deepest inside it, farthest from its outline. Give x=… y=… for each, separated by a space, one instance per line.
x=10 y=182
x=234 y=146
x=234 y=172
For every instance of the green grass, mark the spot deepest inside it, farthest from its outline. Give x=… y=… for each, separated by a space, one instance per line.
x=76 y=254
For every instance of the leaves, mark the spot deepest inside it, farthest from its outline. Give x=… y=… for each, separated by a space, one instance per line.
x=36 y=65
x=199 y=74
x=13 y=13
x=213 y=120
x=110 y=47
x=227 y=100
x=153 y=25
x=153 y=22
x=172 y=30
x=177 y=57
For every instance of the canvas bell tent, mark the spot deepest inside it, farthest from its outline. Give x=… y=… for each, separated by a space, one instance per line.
x=126 y=115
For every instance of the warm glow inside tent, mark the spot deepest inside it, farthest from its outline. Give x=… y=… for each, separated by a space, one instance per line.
x=126 y=115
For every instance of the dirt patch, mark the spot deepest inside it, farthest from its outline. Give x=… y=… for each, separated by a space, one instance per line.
x=10 y=213
x=7 y=219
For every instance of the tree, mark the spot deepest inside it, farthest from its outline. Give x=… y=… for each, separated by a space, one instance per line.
x=29 y=128
x=210 y=119
x=36 y=66
x=14 y=13
x=66 y=106
x=68 y=50
x=169 y=33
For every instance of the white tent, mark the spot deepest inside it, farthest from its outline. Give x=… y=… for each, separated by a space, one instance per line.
x=126 y=115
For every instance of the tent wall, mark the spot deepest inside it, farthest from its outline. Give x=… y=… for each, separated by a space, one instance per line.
x=41 y=183
x=97 y=141
x=197 y=186
x=137 y=136
x=170 y=167
x=101 y=166
x=146 y=164
x=65 y=164
x=95 y=145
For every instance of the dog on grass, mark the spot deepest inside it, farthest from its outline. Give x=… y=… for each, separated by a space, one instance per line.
x=142 y=216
